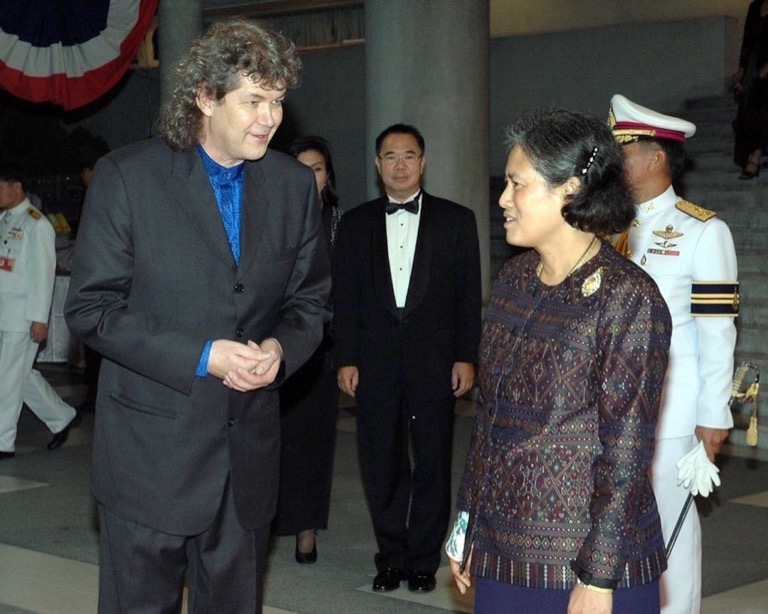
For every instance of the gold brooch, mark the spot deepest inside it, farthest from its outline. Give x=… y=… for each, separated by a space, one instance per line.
x=592 y=283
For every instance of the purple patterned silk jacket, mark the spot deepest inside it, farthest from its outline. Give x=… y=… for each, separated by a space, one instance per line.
x=570 y=382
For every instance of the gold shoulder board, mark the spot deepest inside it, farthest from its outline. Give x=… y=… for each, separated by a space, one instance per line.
x=700 y=213
x=34 y=213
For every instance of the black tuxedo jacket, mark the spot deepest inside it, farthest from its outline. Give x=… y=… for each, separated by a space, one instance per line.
x=440 y=322
x=154 y=278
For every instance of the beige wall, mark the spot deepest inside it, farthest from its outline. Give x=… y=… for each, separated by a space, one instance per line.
x=513 y=17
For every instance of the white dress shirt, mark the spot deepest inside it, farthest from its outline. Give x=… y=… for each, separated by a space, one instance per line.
x=402 y=232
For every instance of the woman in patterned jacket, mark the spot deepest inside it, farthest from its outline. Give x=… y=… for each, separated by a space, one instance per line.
x=556 y=510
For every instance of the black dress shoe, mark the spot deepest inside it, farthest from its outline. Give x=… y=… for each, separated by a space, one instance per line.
x=306 y=558
x=421 y=581
x=61 y=437
x=6 y=454
x=388 y=579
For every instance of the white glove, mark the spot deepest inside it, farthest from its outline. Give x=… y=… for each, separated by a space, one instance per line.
x=454 y=547
x=697 y=472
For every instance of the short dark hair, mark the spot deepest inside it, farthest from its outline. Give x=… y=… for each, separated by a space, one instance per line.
x=400 y=129
x=323 y=147
x=563 y=144
x=677 y=159
x=12 y=174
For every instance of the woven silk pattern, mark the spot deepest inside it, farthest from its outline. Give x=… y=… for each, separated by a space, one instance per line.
x=563 y=438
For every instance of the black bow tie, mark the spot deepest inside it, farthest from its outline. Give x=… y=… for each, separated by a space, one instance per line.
x=412 y=206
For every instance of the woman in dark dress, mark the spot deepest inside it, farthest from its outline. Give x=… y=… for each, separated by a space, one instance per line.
x=556 y=509
x=309 y=399
x=750 y=83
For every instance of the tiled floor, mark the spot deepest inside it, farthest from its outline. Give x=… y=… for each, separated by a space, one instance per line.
x=48 y=534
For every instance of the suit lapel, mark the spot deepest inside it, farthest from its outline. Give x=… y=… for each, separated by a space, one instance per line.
x=417 y=286
x=255 y=208
x=196 y=198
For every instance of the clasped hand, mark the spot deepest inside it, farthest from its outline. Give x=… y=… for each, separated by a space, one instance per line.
x=245 y=367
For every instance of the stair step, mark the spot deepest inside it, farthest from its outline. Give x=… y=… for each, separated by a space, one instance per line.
x=706 y=143
x=738 y=437
x=749 y=240
x=718 y=128
x=726 y=178
x=753 y=312
x=753 y=286
x=712 y=160
x=723 y=115
x=709 y=102
x=738 y=201
x=753 y=260
x=752 y=339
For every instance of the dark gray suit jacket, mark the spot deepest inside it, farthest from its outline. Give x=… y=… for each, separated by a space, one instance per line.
x=153 y=278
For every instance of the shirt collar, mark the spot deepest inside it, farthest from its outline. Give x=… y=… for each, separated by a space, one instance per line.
x=415 y=195
x=663 y=201
x=22 y=206
x=220 y=174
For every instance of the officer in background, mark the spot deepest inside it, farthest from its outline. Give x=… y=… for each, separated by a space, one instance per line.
x=27 y=269
x=689 y=252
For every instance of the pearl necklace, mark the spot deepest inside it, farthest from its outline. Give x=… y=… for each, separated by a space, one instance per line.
x=579 y=262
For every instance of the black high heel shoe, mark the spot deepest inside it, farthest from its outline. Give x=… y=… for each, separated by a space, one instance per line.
x=305 y=558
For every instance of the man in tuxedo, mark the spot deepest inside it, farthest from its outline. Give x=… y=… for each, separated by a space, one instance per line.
x=202 y=277
x=407 y=306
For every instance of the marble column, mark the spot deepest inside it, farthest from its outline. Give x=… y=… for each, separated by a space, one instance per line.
x=427 y=64
x=179 y=23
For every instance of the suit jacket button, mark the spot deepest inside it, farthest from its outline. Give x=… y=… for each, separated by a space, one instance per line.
x=239 y=288
x=239 y=332
x=231 y=422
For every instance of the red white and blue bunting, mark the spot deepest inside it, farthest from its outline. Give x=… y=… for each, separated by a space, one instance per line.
x=69 y=52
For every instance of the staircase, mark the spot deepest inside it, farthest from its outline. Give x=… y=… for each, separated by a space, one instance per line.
x=713 y=183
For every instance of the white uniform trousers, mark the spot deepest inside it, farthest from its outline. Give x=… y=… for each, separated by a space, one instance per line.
x=681 y=582
x=20 y=383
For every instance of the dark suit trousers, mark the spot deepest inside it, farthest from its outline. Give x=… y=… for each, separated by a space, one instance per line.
x=142 y=570
x=409 y=502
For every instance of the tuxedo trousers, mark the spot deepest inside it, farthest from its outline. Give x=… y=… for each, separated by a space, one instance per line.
x=405 y=448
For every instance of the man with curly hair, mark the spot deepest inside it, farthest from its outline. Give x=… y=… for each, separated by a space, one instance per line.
x=202 y=277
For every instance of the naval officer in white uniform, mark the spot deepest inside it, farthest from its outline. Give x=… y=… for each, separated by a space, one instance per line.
x=27 y=269
x=689 y=252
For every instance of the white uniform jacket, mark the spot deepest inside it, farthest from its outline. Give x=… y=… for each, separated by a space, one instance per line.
x=690 y=254
x=27 y=268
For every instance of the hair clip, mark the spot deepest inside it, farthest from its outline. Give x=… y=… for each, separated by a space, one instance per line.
x=590 y=161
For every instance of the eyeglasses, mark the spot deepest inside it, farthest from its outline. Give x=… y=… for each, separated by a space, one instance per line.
x=408 y=158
